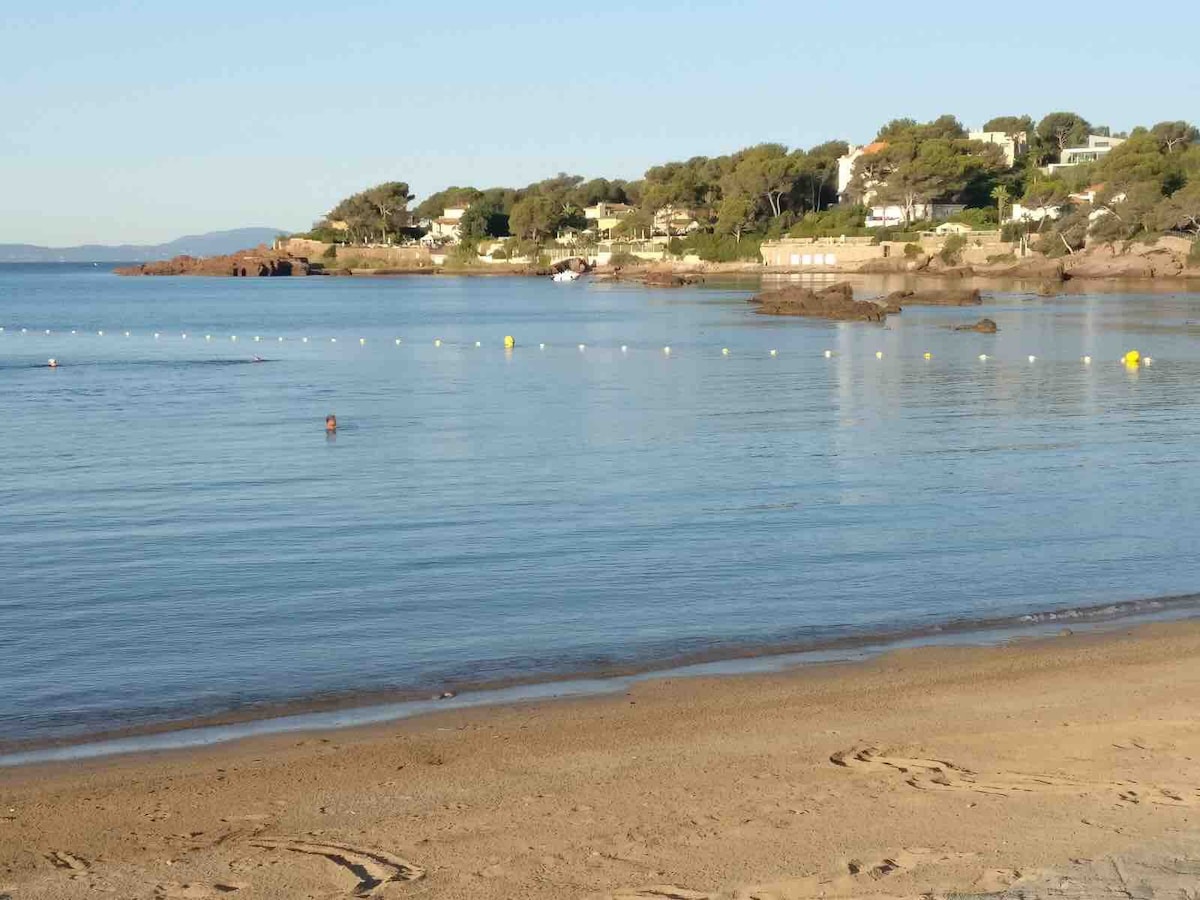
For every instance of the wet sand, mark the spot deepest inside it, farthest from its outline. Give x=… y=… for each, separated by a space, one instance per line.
x=1063 y=767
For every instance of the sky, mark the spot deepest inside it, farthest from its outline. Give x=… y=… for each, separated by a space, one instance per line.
x=141 y=122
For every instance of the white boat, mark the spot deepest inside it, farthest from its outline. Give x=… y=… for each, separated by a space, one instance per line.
x=565 y=275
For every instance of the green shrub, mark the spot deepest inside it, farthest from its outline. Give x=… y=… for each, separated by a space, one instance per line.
x=951 y=252
x=1194 y=254
x=1002 y=258
x=848 y=220
x=330 y=252
x=911 y=251
x=623 y=258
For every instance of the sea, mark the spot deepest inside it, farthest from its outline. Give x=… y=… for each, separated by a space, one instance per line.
x=648 y=478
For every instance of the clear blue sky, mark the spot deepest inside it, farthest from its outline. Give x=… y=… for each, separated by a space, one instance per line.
x=139 y=122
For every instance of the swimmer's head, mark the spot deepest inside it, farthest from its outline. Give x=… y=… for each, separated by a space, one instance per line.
x=331 y=422
x=52 y=363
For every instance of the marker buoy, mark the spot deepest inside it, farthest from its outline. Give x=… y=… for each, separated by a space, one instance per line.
x=509 y=342
x=666 y=351
x=928 y=355
x=1132 y=358
x=983 y=357
x=773 y=352
x=724 y=351
x=879 y=354
x=1087 y=360
x=828 y=354
x=1032 y=358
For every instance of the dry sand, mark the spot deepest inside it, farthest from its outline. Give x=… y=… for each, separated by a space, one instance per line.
x=1067 y=767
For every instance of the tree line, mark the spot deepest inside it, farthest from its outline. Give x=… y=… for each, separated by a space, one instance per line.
x=769 y=190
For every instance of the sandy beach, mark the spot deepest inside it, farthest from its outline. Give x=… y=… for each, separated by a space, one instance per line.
x=1063 y=767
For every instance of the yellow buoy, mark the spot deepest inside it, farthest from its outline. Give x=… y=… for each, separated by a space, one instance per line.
x=724 y=351
x=1132 y=358
x=362 y=341
x=1087 y=360
x=928 y=355
x=509 y=342
x=437 y=342
x=879 y=354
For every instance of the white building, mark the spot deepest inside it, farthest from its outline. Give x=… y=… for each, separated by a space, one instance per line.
x=846 y=166
x=675 y=220
x=880 y=216
x=1097 y=147
x=446 y=226
x=1013 y=145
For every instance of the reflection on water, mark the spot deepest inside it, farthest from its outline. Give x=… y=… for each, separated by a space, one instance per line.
x=178 y=534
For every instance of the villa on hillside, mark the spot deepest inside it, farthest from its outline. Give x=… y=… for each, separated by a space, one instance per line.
x=604 y=217
x=1012 y=145
x=446 y=226
x=675 y=220
x=1097 y=147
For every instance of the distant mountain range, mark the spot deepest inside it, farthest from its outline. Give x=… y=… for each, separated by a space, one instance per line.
x=214 y=243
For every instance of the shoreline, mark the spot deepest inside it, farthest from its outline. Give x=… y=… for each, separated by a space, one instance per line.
x=930 y=772
x=358 y=708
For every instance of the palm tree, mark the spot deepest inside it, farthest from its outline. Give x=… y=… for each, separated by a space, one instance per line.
x=1001 y=195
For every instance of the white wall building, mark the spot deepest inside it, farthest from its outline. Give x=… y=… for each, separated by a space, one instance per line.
x=880 y=216
x=446 y=225
x=1097 y=147
x=1013 y=145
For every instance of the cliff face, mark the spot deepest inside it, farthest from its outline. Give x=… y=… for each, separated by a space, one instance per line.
x=259 y=262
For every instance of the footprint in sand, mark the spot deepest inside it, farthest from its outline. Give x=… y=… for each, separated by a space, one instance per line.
x=194 y=891
x=658 y=892
x=372 y=869
x=61 y=859
x=936 y=774
x=856 y=876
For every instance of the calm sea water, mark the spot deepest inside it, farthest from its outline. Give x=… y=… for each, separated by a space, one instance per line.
x=179 y=537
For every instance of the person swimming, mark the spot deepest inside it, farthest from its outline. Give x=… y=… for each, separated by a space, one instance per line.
x=257 y=359
x=331 y=423
x=52 y=363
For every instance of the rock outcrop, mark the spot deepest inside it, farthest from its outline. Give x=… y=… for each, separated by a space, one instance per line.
x=983 y=326
x=947 y=297
x=260 y=262
x=834 y=302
